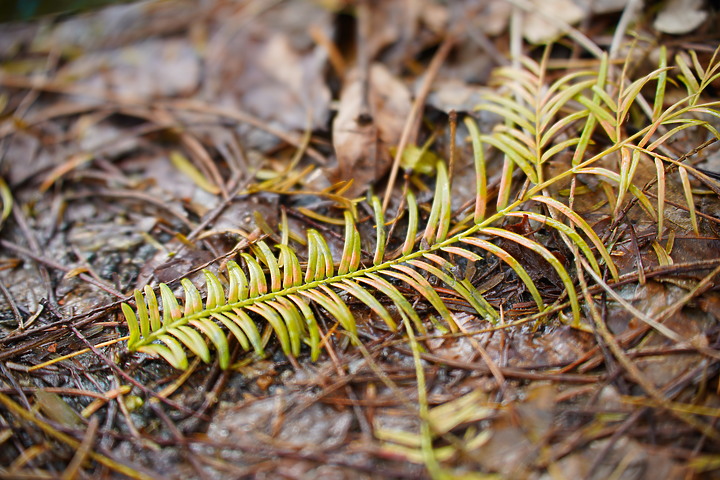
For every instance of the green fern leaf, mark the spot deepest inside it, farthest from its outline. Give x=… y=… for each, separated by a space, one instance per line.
x=274 y=292
x=273 y=289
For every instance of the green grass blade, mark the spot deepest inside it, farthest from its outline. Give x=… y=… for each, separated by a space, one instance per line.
x=326 y=266
x=509 y=110
x=315 y=265
x=335 y=306
x=561 y=125
x=505 y=257
x=685 y=123
x=506 y=183
x=143 y=316
x=295 y=328
x=557 y=148
x=689 y=200
x=438 y=222
x=292 y=273
x=687 y=77
x=348 y=252
x=507 y=146
x=6 y=199
x=660 y=172
x=604 y=172
x=574 y=237
x=550 y=109
x=605 y=119
x=602 y=95
x=472 y=296
x=591 y=121
x=442 y=195
x=659 y=102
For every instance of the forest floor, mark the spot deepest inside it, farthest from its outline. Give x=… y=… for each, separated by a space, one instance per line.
x=143 y=142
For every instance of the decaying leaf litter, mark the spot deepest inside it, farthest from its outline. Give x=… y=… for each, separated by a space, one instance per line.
x=143 y=143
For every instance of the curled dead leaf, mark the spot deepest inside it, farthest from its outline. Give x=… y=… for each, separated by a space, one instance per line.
x=362 y=141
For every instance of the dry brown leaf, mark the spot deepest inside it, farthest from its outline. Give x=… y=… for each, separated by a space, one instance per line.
x=362 y=149
x=680 y=16
x=605 y=6
x=115 y=25
x=538 y=29
x=140 y=72
x=272 y=68
x=495 y=17
x=393 y=25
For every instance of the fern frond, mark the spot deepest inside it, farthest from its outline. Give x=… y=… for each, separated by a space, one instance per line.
x=274 y=288
x=276 y=292
x=532 y=114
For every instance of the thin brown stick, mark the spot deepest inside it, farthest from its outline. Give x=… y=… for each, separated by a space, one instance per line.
x=73 y=468
x=409 y=132
x=52 y=264
x=632 y=370
x=30 y=417
x=13 y=306
x=127 y=377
